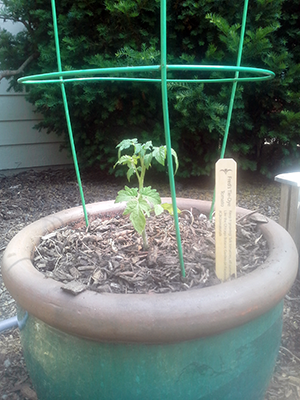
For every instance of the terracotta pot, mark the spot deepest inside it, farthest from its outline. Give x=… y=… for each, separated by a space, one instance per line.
x=219 y=342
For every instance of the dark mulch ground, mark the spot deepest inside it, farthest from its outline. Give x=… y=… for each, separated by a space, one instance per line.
x=31 y=195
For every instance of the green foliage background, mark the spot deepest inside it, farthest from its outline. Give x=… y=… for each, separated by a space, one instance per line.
x=116 y=32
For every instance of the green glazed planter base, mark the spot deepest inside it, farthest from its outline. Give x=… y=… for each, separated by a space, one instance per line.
x=234 y=365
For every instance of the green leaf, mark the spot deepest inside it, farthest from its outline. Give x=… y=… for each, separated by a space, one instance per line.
x=137 y=148
x=158 y=209
x=169 y=207
x=151 y=195
x=160 y=154
x=148 y=145
x=138 y=219
x=141 y=149
x=126 y=195
x=144 y=206
x=130 y=172
x=131 y=205
x=126 y=160
x=137 y=207
x=125 y=144
x=147 y=160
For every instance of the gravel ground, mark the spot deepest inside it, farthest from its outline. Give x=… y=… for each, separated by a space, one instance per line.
x=30 y=195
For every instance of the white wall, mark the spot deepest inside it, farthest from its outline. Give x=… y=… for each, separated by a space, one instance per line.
x=21 y=146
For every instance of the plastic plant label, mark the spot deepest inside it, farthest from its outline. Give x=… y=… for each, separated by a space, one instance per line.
x=225 y=218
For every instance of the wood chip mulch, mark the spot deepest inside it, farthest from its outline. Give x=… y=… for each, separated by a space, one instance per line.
x=109 y=255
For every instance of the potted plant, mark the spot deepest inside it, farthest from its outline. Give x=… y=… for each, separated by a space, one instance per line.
x=213 y=343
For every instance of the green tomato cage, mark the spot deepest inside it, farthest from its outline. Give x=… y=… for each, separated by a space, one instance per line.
x=64 y=77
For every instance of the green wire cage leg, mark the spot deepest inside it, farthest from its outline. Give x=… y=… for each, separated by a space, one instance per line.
x=66 y=107
x=233 y=91
x=163 y=33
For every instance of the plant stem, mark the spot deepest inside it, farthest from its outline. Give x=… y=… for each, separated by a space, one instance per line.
x=142 y=174
x=145 y=240
x=141 y=185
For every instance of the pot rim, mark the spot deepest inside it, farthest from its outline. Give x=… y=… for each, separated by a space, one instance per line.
x=148 y=318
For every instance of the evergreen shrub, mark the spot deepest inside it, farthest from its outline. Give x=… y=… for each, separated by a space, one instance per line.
x=264 y=133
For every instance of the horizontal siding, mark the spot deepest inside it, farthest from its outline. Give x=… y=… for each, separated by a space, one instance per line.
x=32 y=155
x=14 y=108
x=16 y=132
x=4 y=86
x=21 y=146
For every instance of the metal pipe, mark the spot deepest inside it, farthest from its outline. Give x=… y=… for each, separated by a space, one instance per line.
x=14 y=322
x=9 y=323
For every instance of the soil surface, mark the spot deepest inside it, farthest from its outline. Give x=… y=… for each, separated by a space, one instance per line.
x=31 y=195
